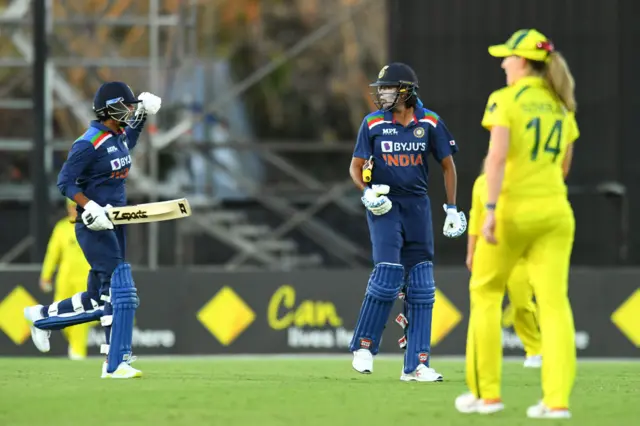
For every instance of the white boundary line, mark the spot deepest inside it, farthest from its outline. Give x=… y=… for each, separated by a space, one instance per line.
x=328 y=357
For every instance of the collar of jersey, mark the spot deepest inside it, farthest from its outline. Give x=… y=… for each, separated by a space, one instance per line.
x=388 y=116
x=98 y=125
x=530 y=81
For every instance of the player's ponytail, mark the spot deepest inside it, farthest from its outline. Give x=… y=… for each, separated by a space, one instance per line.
x=560 y=80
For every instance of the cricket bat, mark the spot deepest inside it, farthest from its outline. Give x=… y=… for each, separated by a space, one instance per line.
x=149 y=212
x=367 y=167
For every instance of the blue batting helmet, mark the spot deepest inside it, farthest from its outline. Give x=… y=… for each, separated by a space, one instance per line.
x=115 y=100
x=396 y=76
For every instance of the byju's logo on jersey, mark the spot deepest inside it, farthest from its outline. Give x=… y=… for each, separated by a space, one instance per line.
x=119 y=167
x=118 y=163
x=410 y=153
x=387 y=132
x=388 y=146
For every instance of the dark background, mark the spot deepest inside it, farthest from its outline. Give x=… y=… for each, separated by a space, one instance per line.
x=446 y=42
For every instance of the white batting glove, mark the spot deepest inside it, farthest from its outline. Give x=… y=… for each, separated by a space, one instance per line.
x=455 y=224
x=150 y=102
x=375 y=199
x=95 y=217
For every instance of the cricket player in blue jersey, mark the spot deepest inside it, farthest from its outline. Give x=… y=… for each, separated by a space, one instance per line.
x=389 y=165
x=94 y=177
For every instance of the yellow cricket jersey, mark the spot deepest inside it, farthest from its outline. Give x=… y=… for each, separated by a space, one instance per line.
x=541 y=128
x=64 y=253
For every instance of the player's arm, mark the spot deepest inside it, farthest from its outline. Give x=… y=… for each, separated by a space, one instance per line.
x=496 y=162
x=361 y=153
x=51 y=259
x=443 y=150
x=450 y=179
x=496 y=119
x=355 y=171
x=81 y=155
x=572 y=136
x=474 y=224
x=133 y=134
x=566 y=163
x=150 y=104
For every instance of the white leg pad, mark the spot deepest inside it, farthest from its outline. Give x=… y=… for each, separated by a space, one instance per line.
x=106 y=320
x=76 y=301
x=53 y=309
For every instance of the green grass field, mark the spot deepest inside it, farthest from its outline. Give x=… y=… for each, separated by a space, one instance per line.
x=297 y=392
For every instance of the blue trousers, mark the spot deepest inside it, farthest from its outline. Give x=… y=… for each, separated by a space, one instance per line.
x=404 y=235
x=104 y=250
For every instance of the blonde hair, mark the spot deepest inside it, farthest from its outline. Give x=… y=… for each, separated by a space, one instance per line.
x=559 y=78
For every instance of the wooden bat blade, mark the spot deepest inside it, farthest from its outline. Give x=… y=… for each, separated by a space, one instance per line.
x=150 y=212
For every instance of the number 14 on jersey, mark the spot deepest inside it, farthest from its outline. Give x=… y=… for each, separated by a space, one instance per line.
x=553 y=140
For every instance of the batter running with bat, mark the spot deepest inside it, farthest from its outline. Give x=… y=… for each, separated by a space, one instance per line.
x=94 y=176
x=395 y=142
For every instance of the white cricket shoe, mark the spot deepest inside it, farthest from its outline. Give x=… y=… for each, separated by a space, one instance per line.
x=124 y=371
x=541 y=411
x=363 y=361
x=40 y=337
x=422 y=374
x=467 y=403
x=534 y=361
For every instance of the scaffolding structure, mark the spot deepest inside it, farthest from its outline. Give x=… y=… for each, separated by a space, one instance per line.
x=147 y=43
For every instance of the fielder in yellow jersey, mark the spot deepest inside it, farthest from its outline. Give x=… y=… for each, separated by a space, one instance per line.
x=519 y=288
x=65 y=256
x=533 y=128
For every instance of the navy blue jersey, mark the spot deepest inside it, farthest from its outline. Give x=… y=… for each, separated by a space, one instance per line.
x=98 y=165
x=400 y=153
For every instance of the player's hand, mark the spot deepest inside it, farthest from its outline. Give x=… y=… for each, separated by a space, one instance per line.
x=455 y=223
x=376 y=200
x=95 y=217
x=469 y=261
x=489 y=227
x=45 y=286
x=150 y=102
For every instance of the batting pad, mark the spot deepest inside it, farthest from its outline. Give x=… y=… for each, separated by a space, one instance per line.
x=124 y=302
x=77 y=309
x=385 y=283
x=421 y=291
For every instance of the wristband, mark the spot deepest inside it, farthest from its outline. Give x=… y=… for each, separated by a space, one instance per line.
x=490 y=206
x=452 y=206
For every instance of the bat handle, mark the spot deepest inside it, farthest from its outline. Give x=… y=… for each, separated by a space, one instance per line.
x=366 y=170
